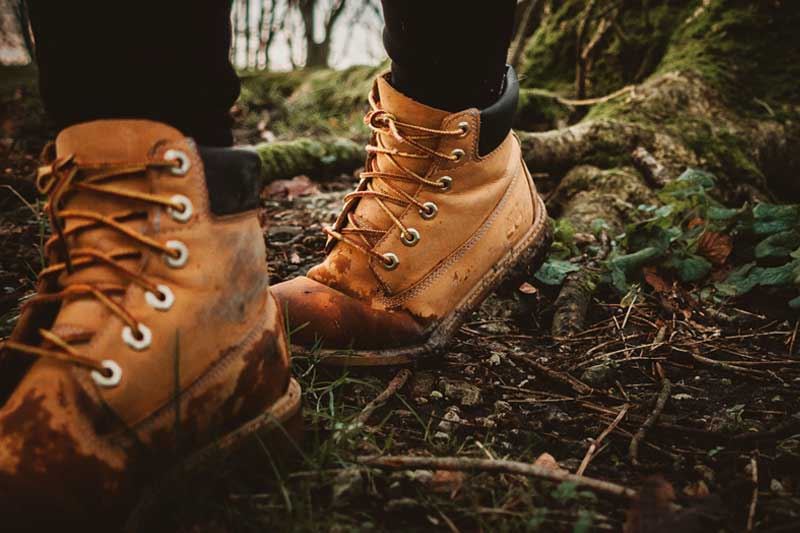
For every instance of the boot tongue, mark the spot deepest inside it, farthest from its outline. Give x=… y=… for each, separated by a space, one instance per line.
x=104 y=142
x=368 y=213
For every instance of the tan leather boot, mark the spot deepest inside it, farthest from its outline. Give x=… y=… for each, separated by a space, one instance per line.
x=445 y=210
x=153 y=341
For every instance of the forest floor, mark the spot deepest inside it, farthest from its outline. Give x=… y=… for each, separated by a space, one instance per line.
x=718 y=403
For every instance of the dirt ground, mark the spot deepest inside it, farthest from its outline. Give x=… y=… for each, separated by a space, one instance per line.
x=505 y=389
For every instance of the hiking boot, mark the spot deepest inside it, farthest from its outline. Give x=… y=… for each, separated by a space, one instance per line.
x=153 y=344
x=445 y=210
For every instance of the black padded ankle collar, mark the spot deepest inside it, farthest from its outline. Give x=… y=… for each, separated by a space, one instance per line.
x=233 y=179
x=496 y=119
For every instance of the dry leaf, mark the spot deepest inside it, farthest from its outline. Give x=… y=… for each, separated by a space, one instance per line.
x=447 y=482
x=549 y=462
x=715 y=247
x=697 y=221
x=527 y=288
x=658 y=283
x=293 y=188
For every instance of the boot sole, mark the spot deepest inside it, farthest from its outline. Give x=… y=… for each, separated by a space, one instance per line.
x=518 y=264
x=279 y=430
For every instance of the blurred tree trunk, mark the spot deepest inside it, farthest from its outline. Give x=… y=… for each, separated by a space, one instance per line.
x=318 y=52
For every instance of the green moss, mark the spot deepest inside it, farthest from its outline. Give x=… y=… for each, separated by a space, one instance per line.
x=312 y=157
x=539 y=110
x=310 y=102
x=724 y=43
x=628 y=52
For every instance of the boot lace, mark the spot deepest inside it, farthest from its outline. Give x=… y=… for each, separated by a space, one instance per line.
x=65 y=177
x=384 y=124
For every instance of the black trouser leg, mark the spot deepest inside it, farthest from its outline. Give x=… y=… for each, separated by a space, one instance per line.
x=161 y=60
x=449 y=54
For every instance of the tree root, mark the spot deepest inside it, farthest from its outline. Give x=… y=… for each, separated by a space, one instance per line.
x=314 y=158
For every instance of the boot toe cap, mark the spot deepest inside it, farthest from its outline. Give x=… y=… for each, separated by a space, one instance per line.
x=319 y=315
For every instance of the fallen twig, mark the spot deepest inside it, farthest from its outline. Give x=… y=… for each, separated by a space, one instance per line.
x=407 y=462
x=394 y=385
x=661 y=401
x=754 y=501
x=721 y=365
x=590 y=452
x=563 y=378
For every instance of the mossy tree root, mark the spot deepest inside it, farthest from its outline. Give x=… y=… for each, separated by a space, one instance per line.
x=315 y=158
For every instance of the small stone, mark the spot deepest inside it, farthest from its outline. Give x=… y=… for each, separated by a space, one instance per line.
x=502 y=406
x=441 y=436
x=556 y=415
x=422 y=384
x=450 y=419
x=496 y=328
x=465 y=393
x=599 y=375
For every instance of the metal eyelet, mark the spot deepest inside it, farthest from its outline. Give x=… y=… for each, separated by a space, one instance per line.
x=429 y=211
x=161 y=301
x=185 y=213
x=446 y=183
x=111 y=380
x=142 y=342
x=458 y=154
x=390 y=261
x=413 y=237
x=183 y=254
x=182 y=158
x=464 y=127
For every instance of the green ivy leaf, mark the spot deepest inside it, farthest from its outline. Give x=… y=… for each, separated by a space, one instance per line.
x=771 y=218
x=778 y=245
x=553 y=271
x=693 y=268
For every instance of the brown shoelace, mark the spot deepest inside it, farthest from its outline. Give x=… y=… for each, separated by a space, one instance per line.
x=57 y=181
x=383 y=123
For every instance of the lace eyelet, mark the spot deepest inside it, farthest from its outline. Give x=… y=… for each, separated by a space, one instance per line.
x=141 y=342
x=183 y=254
x=458 y=154
x=111 y=380
x=161 y=301
x=413 y=237
x=185 y=213
x=429 y=211
x=446 y=183
x=464 y=127
x=390 y=261
x=182 y=158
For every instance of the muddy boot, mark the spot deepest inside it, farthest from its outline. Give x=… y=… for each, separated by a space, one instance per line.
x=445 y=210
x=153 y=345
